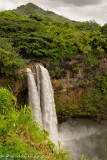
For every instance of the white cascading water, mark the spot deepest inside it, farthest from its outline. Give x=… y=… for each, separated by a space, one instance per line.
x=33 y=96
x=41 y=98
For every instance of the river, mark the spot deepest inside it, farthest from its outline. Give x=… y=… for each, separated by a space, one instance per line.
x=84 y=136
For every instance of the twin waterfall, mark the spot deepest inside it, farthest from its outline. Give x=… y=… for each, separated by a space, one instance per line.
x=41 y=99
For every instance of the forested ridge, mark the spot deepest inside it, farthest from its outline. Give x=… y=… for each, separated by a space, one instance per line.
x=31 y=33
x=33 y=36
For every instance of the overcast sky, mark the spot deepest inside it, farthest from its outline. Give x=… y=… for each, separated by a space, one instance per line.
x=79 y=10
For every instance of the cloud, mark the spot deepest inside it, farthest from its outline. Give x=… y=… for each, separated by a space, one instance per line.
x=81 y=2
x=2 y=8
x=6 y=4
x=85 y=13
x=12 y=4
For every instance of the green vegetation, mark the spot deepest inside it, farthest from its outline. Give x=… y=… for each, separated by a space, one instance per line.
x=36 y=37
x=6 y=62
x=104 y=30
x=9 y=58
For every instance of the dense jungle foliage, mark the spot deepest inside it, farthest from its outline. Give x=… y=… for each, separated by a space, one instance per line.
x=33 y=36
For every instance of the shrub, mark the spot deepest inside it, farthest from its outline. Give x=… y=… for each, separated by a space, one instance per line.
x=6 y=62
x=7 y=101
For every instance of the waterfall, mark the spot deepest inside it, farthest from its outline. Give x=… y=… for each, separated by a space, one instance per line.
x=41 y=99
x=33 y=96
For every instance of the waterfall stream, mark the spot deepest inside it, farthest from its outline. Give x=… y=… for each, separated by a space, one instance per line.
x=41 y=99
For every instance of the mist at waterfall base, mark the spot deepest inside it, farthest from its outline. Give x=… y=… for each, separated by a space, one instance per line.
x=41 y=99
x=84 y=136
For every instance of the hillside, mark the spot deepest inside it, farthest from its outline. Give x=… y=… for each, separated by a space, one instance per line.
x=32 y=9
